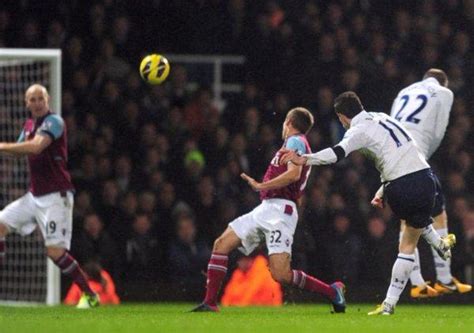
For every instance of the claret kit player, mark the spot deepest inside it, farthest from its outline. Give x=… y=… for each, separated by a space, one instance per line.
x=423 y=108
x=273 y=222
x=409 y=185
x=49 y=202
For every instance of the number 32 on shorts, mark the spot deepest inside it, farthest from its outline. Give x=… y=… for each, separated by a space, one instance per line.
x=275 y=236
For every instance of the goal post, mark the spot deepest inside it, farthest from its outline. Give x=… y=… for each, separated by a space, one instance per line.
x=27 y=276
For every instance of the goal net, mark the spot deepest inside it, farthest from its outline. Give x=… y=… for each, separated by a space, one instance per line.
x=27 y=276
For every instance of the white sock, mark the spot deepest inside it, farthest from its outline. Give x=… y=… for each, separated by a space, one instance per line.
x=431 y=236
x=443 y=267
x=400 y=273
x=416 y=278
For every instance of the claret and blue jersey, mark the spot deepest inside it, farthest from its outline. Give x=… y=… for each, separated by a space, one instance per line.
x=294 y=191
x=48 y=170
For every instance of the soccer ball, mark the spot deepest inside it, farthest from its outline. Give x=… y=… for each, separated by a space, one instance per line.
x=154 y=69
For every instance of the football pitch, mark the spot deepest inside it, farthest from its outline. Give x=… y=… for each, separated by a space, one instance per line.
x=287 y=319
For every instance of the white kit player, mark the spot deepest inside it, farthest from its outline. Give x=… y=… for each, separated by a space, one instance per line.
x=408 y=182
x=423 y=108
x=272 y=222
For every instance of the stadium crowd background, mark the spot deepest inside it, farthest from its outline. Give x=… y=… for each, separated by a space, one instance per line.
x=157 y=168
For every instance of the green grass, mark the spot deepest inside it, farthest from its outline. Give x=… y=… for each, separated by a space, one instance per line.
x=287 y=319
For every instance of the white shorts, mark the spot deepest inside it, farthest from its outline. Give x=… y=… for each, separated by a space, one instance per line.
x=51 y=212
x=274 y=221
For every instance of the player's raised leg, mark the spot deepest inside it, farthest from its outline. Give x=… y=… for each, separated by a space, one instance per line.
x=419 y=287
x=16 y=217
x=217 y=269
x=281 y=271
x=445 y=283
x=442 y=245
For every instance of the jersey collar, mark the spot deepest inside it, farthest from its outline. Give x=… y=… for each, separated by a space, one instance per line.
x=40 y=119
x=432 y=80
x=359 y=117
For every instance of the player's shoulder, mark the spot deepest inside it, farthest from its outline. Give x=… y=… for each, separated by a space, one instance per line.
x=366 y=119
x=296 y=142
x=434 y=87
x=379 y=115
x=53 y=125
x=360 y=127
x=372 y=121
x=297 y=139
x=54 y=119
x=445 y=92
x=407 y=89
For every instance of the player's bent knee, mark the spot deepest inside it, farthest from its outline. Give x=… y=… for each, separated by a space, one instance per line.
x=220 y=246
x=226 y=242
x=55 y=252
x=440 y=221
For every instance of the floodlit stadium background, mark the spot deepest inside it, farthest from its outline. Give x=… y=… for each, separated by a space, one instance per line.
x=176 y=150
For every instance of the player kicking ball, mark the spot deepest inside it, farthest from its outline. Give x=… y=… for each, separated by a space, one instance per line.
x=423 y=108
x=273 y=221
x=408 y=182
x=48 y=203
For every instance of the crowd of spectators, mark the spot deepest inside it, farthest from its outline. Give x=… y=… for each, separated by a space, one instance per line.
x=157 y=167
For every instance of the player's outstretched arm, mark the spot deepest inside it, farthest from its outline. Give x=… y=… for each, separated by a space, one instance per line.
x=252 y=182
x=288 y=155
x=354 y=139
x=323 y=157
x=289 y=176
x=34 y=146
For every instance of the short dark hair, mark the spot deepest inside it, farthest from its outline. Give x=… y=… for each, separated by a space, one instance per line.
x=301 y=119
x=438 y=74
x=348 y=104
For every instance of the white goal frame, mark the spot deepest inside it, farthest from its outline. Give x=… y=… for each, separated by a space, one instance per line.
x=53 y=56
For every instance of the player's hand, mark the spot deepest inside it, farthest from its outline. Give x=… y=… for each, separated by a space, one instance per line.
x=377 y=202
x=291 y=156
x=256 y=186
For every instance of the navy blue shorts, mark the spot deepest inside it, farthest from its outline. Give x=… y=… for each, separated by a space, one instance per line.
x=412 y=197
x=440 y=202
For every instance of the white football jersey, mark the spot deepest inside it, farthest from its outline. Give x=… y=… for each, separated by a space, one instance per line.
x=423 y=108
x=382 y=139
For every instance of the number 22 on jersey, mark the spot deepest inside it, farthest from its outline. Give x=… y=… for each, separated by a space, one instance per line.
x=413 y=109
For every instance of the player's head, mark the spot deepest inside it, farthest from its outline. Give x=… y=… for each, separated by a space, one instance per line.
x=37 y=100
x=438 y=74
x=347 y=105
x=297 y=119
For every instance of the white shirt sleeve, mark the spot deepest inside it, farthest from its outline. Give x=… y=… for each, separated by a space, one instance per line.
x=323 y=157
x=354 y=139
